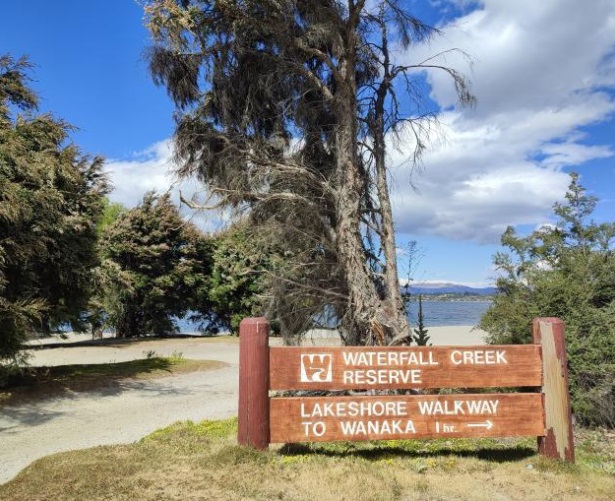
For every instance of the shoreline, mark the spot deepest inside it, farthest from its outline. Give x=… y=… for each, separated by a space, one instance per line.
x=462 y=335
x=458 y=335
x=80 y=348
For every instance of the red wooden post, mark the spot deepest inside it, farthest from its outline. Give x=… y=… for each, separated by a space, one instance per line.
x=253 y=414
x=558 y=442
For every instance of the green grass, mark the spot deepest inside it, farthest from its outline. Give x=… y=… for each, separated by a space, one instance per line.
x=47 y=382
x=190 y=461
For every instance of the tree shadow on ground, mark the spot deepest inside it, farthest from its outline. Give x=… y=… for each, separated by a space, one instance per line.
x=114 y=342
x=67 y=381
x=499 y=454
x=13 y=417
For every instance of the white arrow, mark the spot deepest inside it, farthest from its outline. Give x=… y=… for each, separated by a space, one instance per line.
x=487 y=424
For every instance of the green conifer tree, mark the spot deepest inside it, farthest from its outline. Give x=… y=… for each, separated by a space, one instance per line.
x=421 y=338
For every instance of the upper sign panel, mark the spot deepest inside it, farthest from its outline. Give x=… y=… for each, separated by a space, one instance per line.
x=326 y=368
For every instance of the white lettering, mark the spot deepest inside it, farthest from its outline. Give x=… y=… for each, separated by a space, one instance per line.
x=409 y=427
x=384 y=427
x=354 y=409
x=382 y=376
x=318 y=428
x=483 y=406
x=388 y=358
x=454 y=355
x=303 y=413
x=458 y=407
x=478 y=357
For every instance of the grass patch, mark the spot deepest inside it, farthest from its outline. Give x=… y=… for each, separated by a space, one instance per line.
x=48 y=382
x=191 y=461
x=596 y=450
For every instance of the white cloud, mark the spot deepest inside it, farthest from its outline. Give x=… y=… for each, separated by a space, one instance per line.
x=540 y=72
x=153 y=169
x=147 y=170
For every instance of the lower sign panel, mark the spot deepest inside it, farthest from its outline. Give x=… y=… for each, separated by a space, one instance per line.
x=329 y=419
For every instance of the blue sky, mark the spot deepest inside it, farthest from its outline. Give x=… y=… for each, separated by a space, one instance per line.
x=543 y=73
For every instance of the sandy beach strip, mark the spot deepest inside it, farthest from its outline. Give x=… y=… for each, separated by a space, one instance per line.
x=56 y=351
x=457 y=335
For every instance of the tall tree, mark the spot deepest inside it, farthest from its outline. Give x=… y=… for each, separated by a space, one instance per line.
x=51 y=198
x=283 y=109
x=156 y=269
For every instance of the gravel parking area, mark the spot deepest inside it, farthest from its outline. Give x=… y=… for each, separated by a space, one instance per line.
x=133 y=409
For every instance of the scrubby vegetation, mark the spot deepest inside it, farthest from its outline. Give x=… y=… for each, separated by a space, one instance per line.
x=71 y=260
x=566 y=270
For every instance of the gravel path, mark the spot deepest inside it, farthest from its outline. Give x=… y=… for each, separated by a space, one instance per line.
x=120 y=414
x=128 y=412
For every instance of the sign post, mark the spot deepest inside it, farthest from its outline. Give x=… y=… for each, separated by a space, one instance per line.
x=253 y=425
x=545 y=415
x=558 y=440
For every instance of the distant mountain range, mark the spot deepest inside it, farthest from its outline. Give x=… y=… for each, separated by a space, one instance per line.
x=449 y=288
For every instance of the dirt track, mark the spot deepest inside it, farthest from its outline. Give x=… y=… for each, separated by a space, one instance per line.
x=133 y=409
x=119 y=414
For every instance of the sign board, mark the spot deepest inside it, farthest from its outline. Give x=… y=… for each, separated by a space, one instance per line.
x=539 y=367
x=317 y=419
x=326 y=368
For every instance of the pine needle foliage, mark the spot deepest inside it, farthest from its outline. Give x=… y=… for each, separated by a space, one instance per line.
x=283 y=109
x=565 y=270
x=51 y=198
x=155 y=270
x=421 y=336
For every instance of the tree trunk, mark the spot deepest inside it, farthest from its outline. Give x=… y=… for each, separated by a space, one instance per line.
x=363 y=300
x=395 y=305
x=367 y=320
x=387 y=230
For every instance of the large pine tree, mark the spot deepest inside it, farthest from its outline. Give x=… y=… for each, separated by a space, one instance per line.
x=283 y=108
x=51 y=198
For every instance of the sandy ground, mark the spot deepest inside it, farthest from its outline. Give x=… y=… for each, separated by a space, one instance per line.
x=127 y=413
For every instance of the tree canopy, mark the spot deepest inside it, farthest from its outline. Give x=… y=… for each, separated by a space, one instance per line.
x=566 y=270
x=51 y=199
x=156 y=269
x=283 y=110
x=235 y=284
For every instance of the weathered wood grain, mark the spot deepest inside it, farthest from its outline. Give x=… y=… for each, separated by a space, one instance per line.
x=558 y=441
x=253 y=410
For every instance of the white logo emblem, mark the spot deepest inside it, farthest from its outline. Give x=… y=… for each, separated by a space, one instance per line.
x=316 y=368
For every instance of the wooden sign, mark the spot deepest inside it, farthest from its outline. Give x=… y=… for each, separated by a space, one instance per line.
x=319 y=419
x=264 y=419
x=321 y=368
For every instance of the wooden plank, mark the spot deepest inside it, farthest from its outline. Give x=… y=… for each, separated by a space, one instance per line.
x=327 y=368
x=326 y=419
x=558 y=441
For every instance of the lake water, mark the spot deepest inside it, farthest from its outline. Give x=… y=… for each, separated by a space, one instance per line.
x=441 y=313
x=435 y=314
